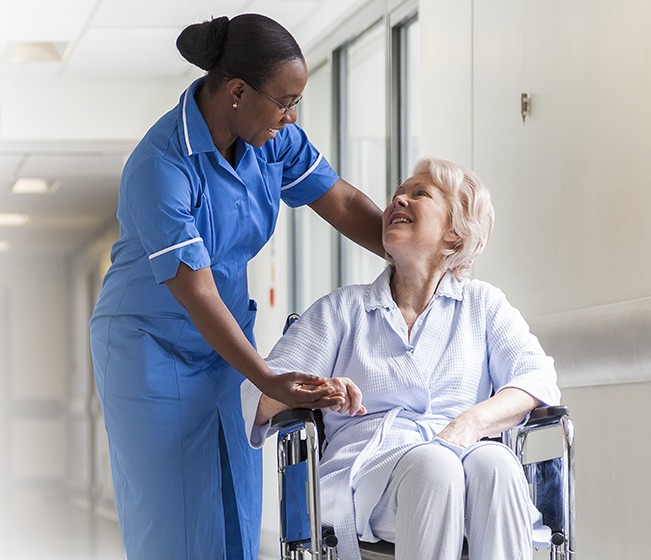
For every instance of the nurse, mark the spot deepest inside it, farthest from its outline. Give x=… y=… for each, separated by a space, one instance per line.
x=172 y=332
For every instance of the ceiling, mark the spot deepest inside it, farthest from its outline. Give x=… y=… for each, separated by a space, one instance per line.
x=97 y=40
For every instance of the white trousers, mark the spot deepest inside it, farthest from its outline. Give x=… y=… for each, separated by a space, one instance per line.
x=433 y=497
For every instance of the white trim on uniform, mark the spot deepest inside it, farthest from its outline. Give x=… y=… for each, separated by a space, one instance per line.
x=185 y=125
x=168 y=249
x=297 y=181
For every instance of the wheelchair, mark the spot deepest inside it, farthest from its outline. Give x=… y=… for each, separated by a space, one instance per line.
x=301 y=435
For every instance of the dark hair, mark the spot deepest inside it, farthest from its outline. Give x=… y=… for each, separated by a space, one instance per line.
x=249 y=46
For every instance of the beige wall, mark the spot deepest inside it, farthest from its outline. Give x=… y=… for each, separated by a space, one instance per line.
x=570 y=187
x=612 y=460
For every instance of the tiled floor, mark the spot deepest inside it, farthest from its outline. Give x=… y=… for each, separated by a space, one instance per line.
x=55 y=530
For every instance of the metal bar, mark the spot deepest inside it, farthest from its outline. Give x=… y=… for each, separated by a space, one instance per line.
x=566 y=550
x=281 y=453
x=569 y=471
x=313 y=493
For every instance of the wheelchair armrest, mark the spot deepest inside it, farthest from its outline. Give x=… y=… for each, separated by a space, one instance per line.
x=547 y=414
x=292 y=416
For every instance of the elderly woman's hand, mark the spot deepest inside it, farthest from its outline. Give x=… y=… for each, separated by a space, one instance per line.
x=501 y=412
x=462 y=431
x=352 y=396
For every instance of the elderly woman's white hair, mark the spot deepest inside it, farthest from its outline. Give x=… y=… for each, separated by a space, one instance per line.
x=470 y=211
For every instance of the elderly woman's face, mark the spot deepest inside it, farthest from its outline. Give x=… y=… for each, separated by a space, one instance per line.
x=416 y=220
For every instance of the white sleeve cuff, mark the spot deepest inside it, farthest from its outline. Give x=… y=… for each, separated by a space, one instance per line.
x=250 y=396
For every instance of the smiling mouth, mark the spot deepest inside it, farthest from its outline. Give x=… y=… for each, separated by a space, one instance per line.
x=400 y=220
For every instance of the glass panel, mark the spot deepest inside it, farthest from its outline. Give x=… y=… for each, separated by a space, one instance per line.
x=410 y=82
x=4 y=397
x=364 y=139
x=314 y=239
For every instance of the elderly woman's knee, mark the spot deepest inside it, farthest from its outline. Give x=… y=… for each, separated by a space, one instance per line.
x=492 y=461
x=431 y=464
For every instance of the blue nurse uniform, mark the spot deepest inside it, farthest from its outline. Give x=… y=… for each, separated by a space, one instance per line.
x=187 y=484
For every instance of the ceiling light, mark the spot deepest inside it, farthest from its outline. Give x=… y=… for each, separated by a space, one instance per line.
x=38 y=51
x=31 y=185
x=4 y=246
x=13 y=219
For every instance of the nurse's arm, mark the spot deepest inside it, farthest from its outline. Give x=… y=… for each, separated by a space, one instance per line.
x=352 y=213
x=196 y=291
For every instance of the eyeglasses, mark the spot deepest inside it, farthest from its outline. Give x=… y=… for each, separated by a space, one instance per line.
x=284 y=108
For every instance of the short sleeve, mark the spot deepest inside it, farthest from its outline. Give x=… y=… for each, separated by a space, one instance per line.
x=307 y=175
x=159 y=198
x=515 y=356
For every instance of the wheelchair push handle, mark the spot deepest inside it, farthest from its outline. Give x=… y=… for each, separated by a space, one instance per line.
x=292 y=416
x=545 y=414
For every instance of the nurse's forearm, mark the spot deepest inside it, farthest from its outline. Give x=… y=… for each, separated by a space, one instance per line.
x=352 y=213
x=195 y=290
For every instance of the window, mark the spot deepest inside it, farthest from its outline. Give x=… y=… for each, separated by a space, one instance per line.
x=314 y=241
x=408 y=107
x=363 y=136
x=364 y=118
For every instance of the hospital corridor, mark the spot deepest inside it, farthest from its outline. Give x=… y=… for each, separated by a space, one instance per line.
x=53 y=528
x=545 y=100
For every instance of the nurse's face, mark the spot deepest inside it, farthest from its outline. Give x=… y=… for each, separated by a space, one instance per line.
x=264 y=112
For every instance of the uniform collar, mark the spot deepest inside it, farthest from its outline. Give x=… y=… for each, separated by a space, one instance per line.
x=193 y=131
x=378 y=294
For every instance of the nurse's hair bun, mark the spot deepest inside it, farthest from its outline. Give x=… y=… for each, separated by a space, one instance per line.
x=201 y=43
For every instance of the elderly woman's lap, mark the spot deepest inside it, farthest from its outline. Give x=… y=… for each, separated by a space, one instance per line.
x=433 y=498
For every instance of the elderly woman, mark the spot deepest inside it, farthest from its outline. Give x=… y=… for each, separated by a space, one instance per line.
x=427 y=347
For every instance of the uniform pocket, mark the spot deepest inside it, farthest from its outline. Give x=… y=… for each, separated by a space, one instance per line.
x=203 y=221
x=250 y=322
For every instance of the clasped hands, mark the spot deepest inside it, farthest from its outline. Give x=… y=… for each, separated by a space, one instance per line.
x=304 y=390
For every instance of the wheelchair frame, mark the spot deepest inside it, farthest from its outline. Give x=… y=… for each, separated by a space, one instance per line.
x=302 y=536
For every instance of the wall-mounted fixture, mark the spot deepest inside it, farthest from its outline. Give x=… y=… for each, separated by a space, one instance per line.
x=525 y=106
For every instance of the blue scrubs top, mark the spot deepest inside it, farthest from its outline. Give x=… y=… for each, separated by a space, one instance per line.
x=181 y=201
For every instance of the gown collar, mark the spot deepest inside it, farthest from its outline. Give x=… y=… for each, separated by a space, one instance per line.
x=378 y=294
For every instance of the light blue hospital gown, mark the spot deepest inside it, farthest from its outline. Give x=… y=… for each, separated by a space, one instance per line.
x=187 y=484
x=468 y=342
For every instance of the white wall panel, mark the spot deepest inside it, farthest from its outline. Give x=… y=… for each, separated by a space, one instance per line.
x=38 y=449
x=37 y=348
x=570 y=185
x=446 y=79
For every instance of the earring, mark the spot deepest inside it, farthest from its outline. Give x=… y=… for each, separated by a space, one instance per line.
x=234 y=105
